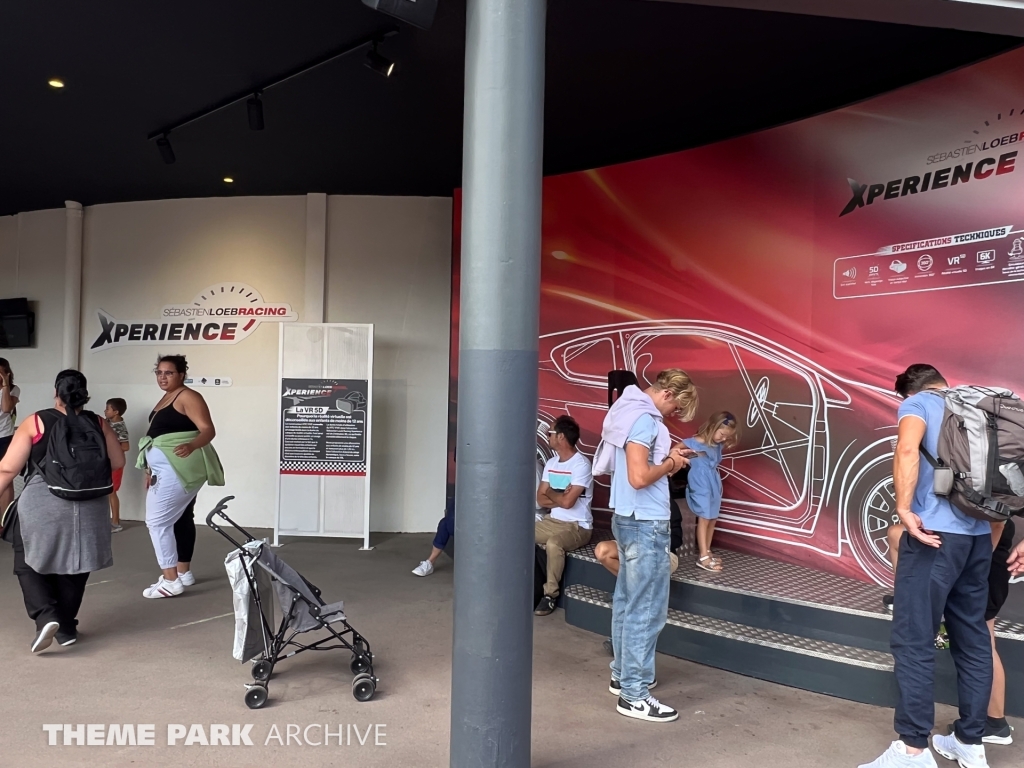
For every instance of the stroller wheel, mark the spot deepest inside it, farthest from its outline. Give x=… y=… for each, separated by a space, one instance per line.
x=360 y=664
x=261 y=670
x=256 y=697
x=363 y=688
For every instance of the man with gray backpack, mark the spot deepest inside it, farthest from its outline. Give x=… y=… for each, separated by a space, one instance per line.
x=957 y=468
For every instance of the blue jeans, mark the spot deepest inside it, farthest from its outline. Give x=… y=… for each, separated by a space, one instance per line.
x=954 y=579
x=640 y=605
x=445 y=528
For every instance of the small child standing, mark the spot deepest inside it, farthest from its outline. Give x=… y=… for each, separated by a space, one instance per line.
x=114 y=414
x=704 y=484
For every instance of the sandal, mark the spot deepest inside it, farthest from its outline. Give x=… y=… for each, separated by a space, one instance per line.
x=710 y=563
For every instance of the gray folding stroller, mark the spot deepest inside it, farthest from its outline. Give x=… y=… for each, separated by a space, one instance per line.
x=302 y=610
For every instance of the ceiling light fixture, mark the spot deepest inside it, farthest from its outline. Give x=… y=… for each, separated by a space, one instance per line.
x=379 y=64
x=252 y=95
x=1018 y=4
x=228 y=180
x=255 y=107
x=164 y=145
x=55 y=83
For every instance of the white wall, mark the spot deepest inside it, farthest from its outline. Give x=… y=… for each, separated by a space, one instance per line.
x=139 y=257
x=32 y=267
x=389 y=263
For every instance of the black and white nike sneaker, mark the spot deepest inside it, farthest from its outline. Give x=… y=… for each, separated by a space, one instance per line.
x=616 y=687
x=649 y=709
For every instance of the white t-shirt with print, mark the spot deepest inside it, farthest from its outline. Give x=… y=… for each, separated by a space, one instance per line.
x=562 y=474
x=7 y=419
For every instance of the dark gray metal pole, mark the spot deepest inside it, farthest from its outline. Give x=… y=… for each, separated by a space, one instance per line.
x=492 y=656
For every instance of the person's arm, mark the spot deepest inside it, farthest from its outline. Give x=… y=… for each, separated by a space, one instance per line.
x=17 y=455
x=196 y=409
x=905 y=466
x=543 y=500
x=8 y=402
x=124 y=446
x=568 y=497
x=642 y=473
x=114 y=452
x=1015 y=562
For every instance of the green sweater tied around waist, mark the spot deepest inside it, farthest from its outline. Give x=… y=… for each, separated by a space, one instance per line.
x=202 y=465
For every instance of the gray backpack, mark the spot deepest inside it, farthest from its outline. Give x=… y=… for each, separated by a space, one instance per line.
x=981 y=452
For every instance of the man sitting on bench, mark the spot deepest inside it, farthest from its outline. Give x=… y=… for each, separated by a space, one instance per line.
x=566 y=488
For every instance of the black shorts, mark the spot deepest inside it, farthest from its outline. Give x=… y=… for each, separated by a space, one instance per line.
x=5 y=443
x=998 y=575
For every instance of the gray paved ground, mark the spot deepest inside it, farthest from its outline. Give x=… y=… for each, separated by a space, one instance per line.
x=144 y=661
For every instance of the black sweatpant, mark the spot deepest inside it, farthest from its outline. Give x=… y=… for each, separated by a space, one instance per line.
x=185 y=533
x=48 y=596
x=929 y=581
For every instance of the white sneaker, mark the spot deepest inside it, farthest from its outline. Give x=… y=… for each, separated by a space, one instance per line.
x=116 y=528
x=896 y=757
x=966 y=755
x=649 y=709
x=164 y=588
x=45 y=637
x=187 y=579
x=424 y=569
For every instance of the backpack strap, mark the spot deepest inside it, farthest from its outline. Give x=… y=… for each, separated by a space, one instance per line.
x=935 y=463
x=993 y=448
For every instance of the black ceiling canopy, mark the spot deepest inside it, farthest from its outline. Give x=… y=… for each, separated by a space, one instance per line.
x=625 y=79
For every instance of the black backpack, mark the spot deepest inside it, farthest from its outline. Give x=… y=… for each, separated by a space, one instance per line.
x=76 y=466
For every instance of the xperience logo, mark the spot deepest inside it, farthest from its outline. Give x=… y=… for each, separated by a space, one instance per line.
x=866 y=194
x=224 y=313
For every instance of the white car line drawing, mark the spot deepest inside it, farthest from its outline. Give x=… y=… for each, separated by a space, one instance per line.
x=814 y=467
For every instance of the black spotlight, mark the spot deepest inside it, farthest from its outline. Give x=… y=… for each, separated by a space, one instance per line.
x=379 y=64
x=255 y=113
x=164 y=145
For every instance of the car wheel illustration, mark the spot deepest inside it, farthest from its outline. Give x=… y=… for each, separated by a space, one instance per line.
x=869 y=510
x=758 y=399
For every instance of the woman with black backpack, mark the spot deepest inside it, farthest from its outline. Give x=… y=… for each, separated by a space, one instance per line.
x=60 y=526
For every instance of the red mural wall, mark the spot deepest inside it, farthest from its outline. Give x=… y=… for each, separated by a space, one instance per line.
x=793 y=273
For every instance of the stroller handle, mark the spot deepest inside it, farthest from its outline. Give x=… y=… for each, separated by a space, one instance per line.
x=218 y=511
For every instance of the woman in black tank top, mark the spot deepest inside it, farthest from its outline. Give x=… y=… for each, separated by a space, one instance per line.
x=168 y=419
x=180 y=410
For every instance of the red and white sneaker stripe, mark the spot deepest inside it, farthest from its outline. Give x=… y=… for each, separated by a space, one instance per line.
x=164 y=588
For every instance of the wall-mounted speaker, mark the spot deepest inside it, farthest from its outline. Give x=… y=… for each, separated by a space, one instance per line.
x=419 y=13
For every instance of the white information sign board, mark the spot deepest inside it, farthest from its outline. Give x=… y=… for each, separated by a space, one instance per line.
x=324 y=420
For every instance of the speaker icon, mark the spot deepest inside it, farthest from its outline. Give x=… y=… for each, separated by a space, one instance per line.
x=850 y=273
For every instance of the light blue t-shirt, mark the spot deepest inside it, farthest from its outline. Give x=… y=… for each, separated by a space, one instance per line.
x=936 y=513
x=652 y=502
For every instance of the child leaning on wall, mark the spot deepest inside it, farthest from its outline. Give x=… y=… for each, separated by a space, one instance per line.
x=704 y=484
x=114 y=414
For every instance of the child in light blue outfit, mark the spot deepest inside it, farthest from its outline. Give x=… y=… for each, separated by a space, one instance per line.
x=704 y=484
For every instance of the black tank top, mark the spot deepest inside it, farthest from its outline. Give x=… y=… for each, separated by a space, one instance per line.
x=168 y=420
